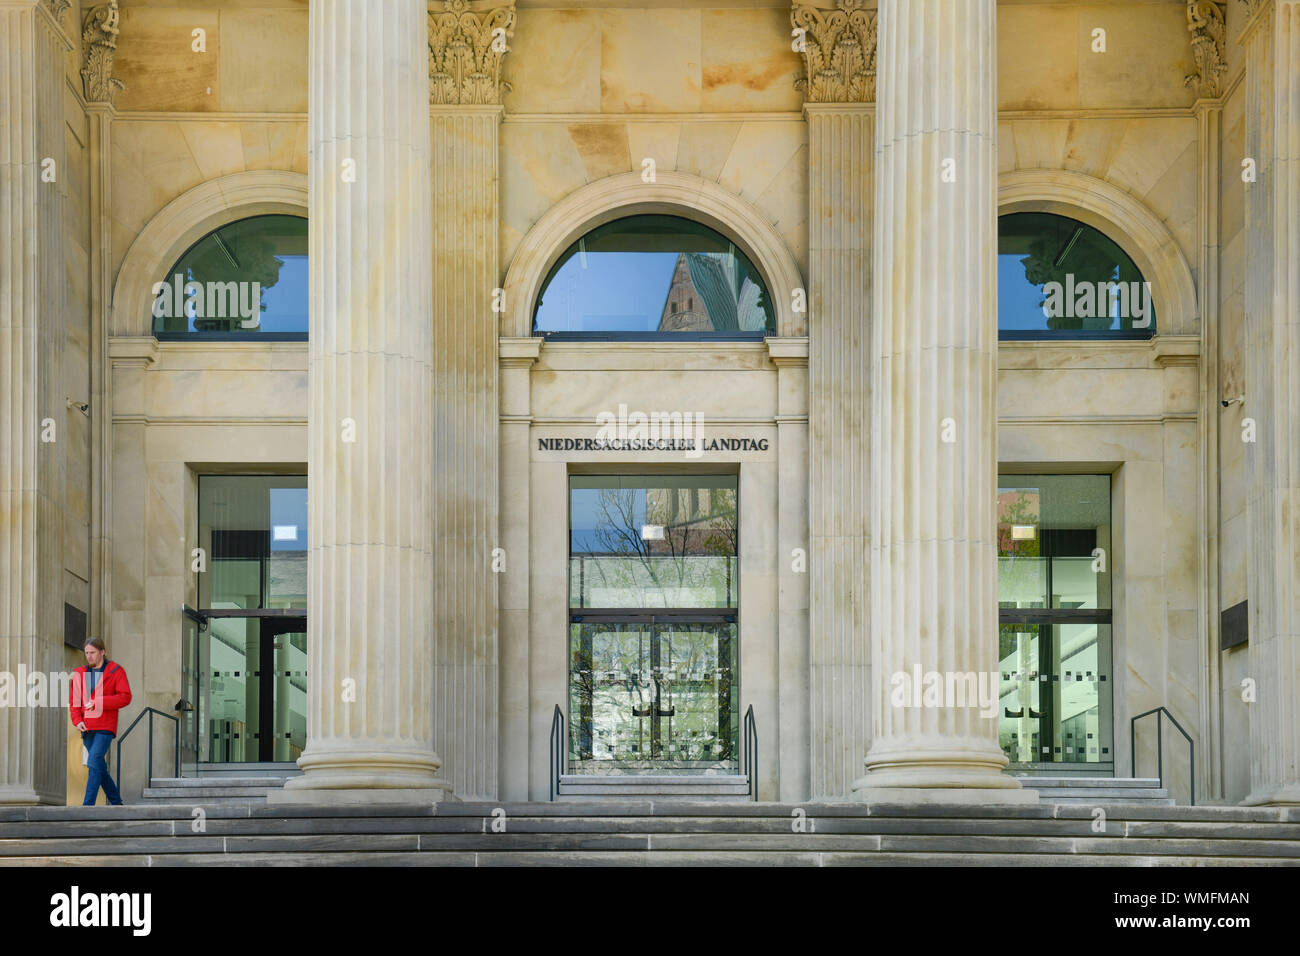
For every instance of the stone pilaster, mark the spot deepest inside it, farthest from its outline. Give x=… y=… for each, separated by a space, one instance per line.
x=933 y=361
x=100 y=28
x=32 y=401
x=840 y=138
x=516 y=359
x=1209 y=123
x=794 y=704
x=466 y=50
x=1272 y=401
x=371 y=465
x=465 y=445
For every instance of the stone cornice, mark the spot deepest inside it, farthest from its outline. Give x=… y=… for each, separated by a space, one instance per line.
x=839 y=52
x=519 y=351
x=838 y=109
x=139 y=350
x=1176 y=350
x=788 y=351
x=1205 y=22
x=98 y=47
x=466 y=48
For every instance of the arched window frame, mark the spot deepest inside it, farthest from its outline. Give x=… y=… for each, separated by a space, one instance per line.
x=1056 y=335
x=231 y=336
x=683 y=305
x=674 y=194
x=1128 y=222
x=180 y=224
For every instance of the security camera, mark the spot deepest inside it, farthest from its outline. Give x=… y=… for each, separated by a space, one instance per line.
x=1227 y=402
x=83 y=407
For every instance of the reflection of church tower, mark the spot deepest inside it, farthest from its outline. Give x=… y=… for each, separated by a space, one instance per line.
x=684 y=309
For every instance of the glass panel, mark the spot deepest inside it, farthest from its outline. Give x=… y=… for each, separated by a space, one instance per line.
x=189 y=693
x=1020 y=714
x=1055 y=693
x=234 y=649
x=248 y=276
x=1083 y=698
x=255 y=704
x=254 y=532
x=653 y=541
x=654 y=274
x=1057 y=274
x=290 y=691
x=647 y=696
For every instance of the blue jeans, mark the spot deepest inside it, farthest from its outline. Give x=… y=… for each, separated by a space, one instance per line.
x=97 y=742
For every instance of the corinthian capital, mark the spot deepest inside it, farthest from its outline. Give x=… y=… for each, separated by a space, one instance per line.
x=98 y=46
x=465 y=52
x=1205 y=24
x=839 y=52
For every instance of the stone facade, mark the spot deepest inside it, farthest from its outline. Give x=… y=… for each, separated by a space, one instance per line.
x=785 y=127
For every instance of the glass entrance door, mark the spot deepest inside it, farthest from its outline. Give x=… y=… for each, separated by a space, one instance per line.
x=253 y=689
x=653 y=694
x=1055 y=622
x=653 y=611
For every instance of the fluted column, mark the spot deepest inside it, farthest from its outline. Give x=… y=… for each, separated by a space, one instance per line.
x=32 y=399
x=370 y=422
x=933 y=575
x=1272 y=400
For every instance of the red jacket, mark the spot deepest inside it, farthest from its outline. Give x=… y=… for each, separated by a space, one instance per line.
x=99 y=710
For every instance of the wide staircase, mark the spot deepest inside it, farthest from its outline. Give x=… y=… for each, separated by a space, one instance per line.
x=225 y=829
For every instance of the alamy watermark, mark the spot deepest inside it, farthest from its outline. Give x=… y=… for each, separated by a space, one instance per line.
x=1096 y=300
x=651 y=431
x=209 y=300
x=946 y=689
x=47 y=689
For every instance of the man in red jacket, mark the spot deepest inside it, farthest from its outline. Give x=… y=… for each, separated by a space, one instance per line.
x=99 y=691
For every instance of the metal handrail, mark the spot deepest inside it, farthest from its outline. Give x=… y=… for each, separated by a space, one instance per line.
x=557 y=750
x=150 y=711
x=1160 y=756
x=750 y=752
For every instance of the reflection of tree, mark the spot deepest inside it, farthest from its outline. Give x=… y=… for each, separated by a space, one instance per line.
x=239 y=255
x=663 y=563
x=1019 y=561
x=1088 y=261
x=615 y=666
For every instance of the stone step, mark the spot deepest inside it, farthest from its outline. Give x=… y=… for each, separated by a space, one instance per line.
x=1286 y=850
x=636 y=858
x=649 y=826
x=612 y=809
x=280 y=768
x=1094 y=801
x=222 y=780
x=657 y=785
x=204 y=793
x=1069 y=782
x=1099 y=795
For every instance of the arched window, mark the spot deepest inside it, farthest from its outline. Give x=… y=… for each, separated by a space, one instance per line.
x=245 y=279
x=1060 y=278
x=653 y=275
